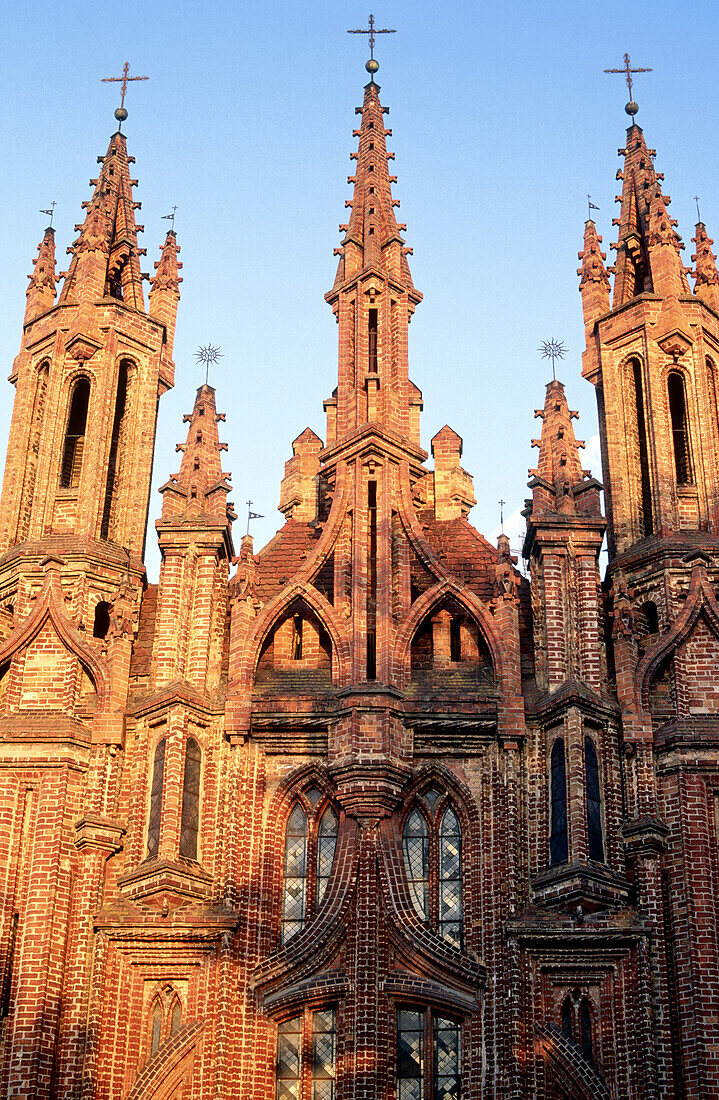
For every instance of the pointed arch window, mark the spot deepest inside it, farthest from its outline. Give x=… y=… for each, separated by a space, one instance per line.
x=428 y=1056
x=641 y=457
x=156 y=1032
x=116 y=458
x=190 y=821
x=155 y=818
x=680 y=427
x=595 y=839
x=310 y=845
x=307 y=1056
x=74 y=445
x=432 y=849
x=577 y=1023
x=558 y=839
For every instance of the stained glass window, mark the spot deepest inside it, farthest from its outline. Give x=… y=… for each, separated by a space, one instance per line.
x=432 y=846
x=326 y=844
x=310 y=845
x=415 y=841
x=558 y=845
x=595 y=841
x=313 y=1034
x=295 y=883
x=153 y=825
x=428 y=1056
x=190 y=822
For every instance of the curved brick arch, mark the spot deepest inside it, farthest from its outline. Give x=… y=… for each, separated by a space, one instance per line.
x=171 y=1066
x=700 y=600
x=50 y=606
x=273 y=612
x=568 y=1067
x=425 y=604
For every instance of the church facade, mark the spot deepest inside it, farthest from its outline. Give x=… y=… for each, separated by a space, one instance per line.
x=370 y=815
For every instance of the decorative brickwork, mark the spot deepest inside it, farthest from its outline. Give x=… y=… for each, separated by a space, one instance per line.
x=374 y=816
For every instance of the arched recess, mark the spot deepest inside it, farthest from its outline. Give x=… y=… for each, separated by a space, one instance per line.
x=37 y=417
x=568 y=1071
x=277 y=609
x=297 y=641
x=50 y=605
x=679 y=422
x=425 y=606
x=700 y=601
x=117 y=457
x=73 y=448
x=171 y=1067
x=637 y=445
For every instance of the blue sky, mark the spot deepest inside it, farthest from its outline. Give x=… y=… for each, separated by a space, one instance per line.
x=503 y=120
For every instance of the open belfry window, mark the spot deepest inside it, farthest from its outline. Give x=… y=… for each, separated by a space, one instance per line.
x=558 y=838
x=307 y=1056
x=432 y=849
x=74 y=445
x=595 y=839
x=155 y=817
x=429 y=1056
x=310 y=844
x=676 y=390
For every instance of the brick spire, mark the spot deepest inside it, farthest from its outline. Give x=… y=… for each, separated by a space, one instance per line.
x=200 y=488
x=559 y=473
x=705 y=272
x=165 y=287
x=373 y=234
x=594 y=281
x=648 y=249
x=105 y=256
x=41 y=291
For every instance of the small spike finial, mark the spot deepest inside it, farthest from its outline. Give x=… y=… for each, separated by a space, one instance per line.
x=631 y=107
x=552 y=349
x=124 y=80
x=372 y=65
x=696 y=200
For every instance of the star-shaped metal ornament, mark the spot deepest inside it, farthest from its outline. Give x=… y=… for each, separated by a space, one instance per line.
x=208 y=355
x=552 y=349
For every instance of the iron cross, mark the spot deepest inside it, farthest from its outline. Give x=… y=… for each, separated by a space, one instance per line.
x=372 y=31
x=628 y=73
x=124 y=80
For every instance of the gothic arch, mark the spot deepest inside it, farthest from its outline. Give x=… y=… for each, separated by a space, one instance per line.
x=50 y=606
x=568 y=1068
x=425 y=604
x=700 y=600
x=273 y=612
x=171 y=1066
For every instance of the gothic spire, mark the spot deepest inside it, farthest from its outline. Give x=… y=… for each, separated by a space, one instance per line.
x=105 y=256
x=199 y=491
x=373 y=234
x=559 y=481
x=705 y=271
x=648 y=249
x=41 y=291
x=594 y=281
x=165 y=286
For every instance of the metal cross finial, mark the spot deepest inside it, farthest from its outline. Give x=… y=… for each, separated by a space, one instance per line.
x=171 y=217
x=501 y=504
x=552 y=349
x=51 y=211
x=590 y=207
x=372 y=66
x=696 y=200
x=124 y=80
x=209 y=356
x=628 y=74
x=251 y=515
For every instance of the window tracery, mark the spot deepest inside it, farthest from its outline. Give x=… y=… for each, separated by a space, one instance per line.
x=310 y=845
x=307 y=1056
x=432 y=849
x=428 y=1056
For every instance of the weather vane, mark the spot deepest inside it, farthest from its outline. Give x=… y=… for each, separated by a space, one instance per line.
x=501 y=504
x=51 y=211
x=124 y=80
x=208 y=355
x=631 y=107
x=372 y=66
x=552 y=349
x=590 y=207
x=170 y=217
x=251 y=515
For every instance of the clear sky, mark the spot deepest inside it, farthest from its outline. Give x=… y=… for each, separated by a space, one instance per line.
x=503 y=121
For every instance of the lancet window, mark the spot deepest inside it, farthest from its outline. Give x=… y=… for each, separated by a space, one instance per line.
x=680 y=427
x=595 y=840
x=190 y=821
x=432 y=848
x=428 y=1056
x=165 y=1018
x=558 y=838
x=155 y=818
x=577 y=1022
x=307 y=1056
x=74 y=446
x=310 y=844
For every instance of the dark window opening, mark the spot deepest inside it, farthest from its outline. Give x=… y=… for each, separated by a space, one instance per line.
x=595 y=841
x=101 y=624
x=567 y=1018
x=558 y=839
x=113 y=466
x=372 y=333
x=680 y=428
x=6 y=992
x=200 y=412
x=585 y=1029
x=153 y=825
x=75 y=435
x=651 y=617
x=455 y=639
x=647 y=521
x=190 y=821
x=372 y=577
